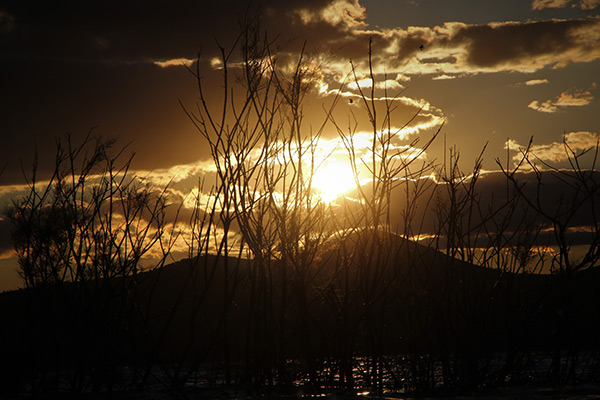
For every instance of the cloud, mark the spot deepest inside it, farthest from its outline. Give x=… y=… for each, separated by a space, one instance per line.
x=525 y=47
x=436 y=60
x=557 y=193
x=443 y=77
x=565 y=99
x=6 y=247
x=583 y=4
x=175 y=62
x=589 y=4
x=547 y=106
x=541 y=4
x=340 y=13
x=531 y=82
x=164 y=35
x=556 y=152
x=176 y=173
x=8 y=191
x=574 y=99
x=389 y=84
x=456 y=48
x=534 y=82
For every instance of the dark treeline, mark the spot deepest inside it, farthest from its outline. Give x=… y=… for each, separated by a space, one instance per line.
x=282 y=293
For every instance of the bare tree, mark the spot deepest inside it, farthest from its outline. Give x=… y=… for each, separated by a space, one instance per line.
x=91 y=219
x=81 y=236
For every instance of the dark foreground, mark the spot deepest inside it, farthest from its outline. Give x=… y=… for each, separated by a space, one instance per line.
x=406 y=322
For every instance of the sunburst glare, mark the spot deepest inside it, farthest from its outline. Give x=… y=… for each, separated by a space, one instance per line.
x=332 y=179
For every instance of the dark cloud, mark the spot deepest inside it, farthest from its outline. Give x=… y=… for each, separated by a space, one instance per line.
x=462 y=48
x=491 y=45
x=583 y=4
x=458 y=48
x=559 y=194
x=5 y=238
x=444 y=60
x=116 y=32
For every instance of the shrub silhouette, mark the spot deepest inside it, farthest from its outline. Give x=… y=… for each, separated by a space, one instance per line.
x=283 y=292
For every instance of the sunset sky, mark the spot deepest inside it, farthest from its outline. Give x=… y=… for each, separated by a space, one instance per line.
x=495 y=72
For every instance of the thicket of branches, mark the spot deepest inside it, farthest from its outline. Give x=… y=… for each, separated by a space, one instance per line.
x=285 y=292
x=89 y=220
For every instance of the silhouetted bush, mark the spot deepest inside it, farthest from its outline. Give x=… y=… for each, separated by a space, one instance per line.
x=283 y=292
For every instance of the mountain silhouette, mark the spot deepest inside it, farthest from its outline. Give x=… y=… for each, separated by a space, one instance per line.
x=365 y=295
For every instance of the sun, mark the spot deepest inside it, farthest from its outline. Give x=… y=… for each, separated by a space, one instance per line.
x=332 y=179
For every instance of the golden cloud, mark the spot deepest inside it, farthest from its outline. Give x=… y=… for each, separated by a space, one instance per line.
x=7 y=254
x=344 y=14
x=176 y=173
x=547 y=106
x=534 y=82
x=444 y=77
x=175 y=62
x=565 y=99
x=556 y=152
x=389 y=84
